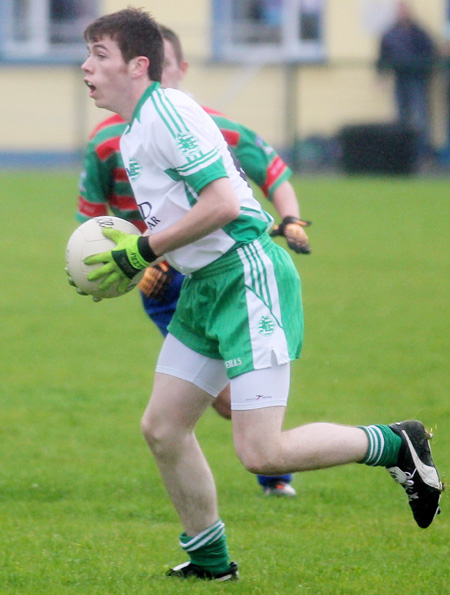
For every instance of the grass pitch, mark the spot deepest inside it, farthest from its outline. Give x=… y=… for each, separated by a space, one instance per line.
x=82 y=508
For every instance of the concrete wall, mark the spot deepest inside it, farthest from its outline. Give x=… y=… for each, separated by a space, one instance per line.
x=48 y=109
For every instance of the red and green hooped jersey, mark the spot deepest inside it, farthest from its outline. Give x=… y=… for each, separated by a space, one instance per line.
x=104 y=185
x=260 y=162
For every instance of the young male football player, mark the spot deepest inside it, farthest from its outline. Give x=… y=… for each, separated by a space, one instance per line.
x=239 y=316
x=105 y=187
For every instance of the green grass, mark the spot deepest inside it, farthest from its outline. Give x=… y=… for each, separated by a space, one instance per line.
x=82 y=508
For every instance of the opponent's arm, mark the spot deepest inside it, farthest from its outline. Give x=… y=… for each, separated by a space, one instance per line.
x=94 y=188
x=285 y=200
x=93 y=192
x=291 y=227
x=264 y=167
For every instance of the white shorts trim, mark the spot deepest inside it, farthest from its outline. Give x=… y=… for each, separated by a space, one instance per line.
x=267 y=337
x=176 y=359
x=257 y=389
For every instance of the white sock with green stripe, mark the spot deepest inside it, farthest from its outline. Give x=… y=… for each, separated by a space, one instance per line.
x=384 y=446
x=209 y=548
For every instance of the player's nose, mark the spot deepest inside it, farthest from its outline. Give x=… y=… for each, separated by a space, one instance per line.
x=87 y=65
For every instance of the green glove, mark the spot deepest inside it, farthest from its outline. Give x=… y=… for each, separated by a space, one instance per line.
x=122 y=263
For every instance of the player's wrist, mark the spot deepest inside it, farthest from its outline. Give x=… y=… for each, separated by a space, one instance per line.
x=145 y=250
x=290 y=219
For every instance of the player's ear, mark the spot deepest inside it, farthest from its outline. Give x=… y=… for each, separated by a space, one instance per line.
x=184 y=67
x=139 y=66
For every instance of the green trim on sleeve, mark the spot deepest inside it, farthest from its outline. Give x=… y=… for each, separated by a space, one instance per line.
x=200 y=178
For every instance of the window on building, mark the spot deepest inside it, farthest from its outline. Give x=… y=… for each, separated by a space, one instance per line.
x=45 y=29
x=268 y=30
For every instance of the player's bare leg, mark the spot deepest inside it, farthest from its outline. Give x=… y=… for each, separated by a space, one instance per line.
x=279 y=485
x=258 y=401
x=264 y=448
x=222 y=403
x=168 y=427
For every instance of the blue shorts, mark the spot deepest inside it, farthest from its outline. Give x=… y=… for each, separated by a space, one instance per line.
x=161 y=311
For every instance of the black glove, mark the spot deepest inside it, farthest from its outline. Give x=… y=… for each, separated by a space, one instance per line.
x=292 y=229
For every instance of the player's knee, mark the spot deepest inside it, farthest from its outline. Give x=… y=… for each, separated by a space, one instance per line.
x=258 y=461
x=157 y=434
x=147 y=428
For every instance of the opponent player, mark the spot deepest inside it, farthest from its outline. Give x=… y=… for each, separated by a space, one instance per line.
x=239 y=316
x=104 y=186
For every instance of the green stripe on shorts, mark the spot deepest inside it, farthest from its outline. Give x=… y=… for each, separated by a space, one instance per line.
x=244 y=308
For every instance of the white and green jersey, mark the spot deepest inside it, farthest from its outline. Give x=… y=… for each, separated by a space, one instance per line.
x=171 y=150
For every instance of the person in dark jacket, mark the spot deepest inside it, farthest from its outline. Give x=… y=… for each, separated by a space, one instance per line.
x=408 y=52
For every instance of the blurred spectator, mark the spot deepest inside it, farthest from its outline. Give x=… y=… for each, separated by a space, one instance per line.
x=445 y=68
x=408 y=52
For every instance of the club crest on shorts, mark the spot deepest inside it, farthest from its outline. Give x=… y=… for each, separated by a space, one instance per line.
x=266 y=326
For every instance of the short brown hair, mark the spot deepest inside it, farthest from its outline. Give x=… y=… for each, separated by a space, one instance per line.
x=174 y=41
x=136 y=33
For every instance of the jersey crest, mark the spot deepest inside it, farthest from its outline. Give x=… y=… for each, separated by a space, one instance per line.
x=135 y=170
x=187 y=144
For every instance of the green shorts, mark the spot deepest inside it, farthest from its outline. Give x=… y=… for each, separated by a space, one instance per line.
x=245 y=308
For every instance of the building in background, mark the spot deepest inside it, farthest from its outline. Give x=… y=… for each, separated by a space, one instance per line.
x=291 y=69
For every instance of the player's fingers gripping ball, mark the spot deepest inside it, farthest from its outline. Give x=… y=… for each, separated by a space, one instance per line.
x=131 y=255
x=292 y=228
x=88 y=240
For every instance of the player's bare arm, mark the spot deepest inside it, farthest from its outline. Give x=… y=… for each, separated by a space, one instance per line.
x=292 y=227
x=218 y=205
x=285 y=200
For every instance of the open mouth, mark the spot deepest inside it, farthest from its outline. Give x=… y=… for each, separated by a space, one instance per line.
x=91 y=87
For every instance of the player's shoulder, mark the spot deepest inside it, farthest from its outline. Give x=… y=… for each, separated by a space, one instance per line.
x=180 y=100
x=112 y=126
x=225 y=123
x=218 y=116
x=160 y=104
x=105 y=138
x=213 y=112
x=174 y=109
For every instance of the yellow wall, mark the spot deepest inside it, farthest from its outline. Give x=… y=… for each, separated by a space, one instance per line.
x=48 y=107
x=41 y=107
